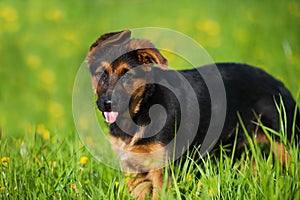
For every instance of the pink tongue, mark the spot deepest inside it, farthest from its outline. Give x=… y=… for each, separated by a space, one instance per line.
x=110 y=117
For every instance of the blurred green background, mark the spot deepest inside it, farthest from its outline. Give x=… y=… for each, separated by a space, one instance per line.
x=43 y=43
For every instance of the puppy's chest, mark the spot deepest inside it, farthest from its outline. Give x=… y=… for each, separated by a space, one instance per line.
x=137 y=157
x=123 y=144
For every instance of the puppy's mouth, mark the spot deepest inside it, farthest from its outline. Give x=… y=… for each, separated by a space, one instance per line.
x=110 y=117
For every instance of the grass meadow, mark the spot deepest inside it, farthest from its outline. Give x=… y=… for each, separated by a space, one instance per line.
x=43 y=44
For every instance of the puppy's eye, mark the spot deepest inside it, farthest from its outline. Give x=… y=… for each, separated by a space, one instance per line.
x=127 y=79
x=101 y=76
x=124 y=72
x=127 y=76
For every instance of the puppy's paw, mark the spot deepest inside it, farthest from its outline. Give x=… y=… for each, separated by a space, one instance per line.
x=142 y=190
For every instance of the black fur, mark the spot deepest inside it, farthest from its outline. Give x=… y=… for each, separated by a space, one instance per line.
x=250 y=92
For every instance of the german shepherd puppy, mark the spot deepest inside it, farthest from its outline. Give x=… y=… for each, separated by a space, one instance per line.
x=128 y=85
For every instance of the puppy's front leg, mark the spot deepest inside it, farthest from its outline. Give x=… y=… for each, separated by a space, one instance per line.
x=142 y=185
x=157 y=179
x=139 y=186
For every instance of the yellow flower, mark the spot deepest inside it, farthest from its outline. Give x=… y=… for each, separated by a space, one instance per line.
x=86 y=182
x=10 y=17
x=211 y=192
x=210 y=27
x=117 y=183
x=54 y=15
x=47 y=76
x=71 y=37
x=199 y=184
x=2 y=189
x=33 y=61
x=41 y=129
x=5 y=160
x=9 y=14
x=55 y=109
x=189 y=178
x=83 y=160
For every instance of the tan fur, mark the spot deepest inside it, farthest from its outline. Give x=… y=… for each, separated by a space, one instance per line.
x=121 y=67
x=137 y=136
x=281 y=154
x=94 y=79
x=140 y=189
x=136 y=158
x=131 y=156
x=142 y=185
x=277 y=148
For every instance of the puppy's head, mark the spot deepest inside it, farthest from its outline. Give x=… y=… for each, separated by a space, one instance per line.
x=122 y=66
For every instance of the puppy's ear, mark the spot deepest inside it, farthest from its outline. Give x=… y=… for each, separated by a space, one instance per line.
x=114 y=38
x=152 y=55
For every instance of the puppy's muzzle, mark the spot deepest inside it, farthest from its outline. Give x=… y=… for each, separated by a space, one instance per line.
x=104 y=104
x=107 y=104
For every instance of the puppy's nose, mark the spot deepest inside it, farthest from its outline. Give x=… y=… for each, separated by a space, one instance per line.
x=107 y=104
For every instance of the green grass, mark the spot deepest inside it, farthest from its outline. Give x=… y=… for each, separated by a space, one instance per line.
x=42 y=45
x=52 y=168
x=38 y=166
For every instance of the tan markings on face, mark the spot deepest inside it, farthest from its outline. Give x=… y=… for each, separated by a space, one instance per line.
x=94 y=83
x=137 y=90
x=108 y=68
x=121 y=67
x=104 y=66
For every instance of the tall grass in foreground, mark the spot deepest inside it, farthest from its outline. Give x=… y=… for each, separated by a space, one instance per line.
x=257 y=174
x=40 y=166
